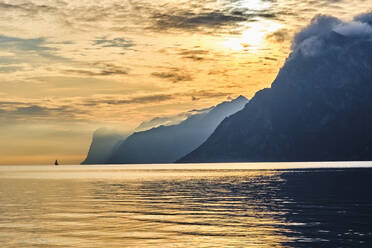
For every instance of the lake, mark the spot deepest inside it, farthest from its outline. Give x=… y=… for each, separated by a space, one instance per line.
x=196 y=205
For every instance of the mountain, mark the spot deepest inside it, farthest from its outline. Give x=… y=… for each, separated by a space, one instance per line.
x=103 y=143
x=160 y=121
x=319 y=108
x=165 y=144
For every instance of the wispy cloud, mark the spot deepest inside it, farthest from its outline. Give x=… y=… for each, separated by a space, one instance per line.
x=31 y=51
x=29 y=8
x=116 y=42
x=128 y=100
x=9 y=69
x=14 y=110
x=195 y=21
x=174 y=75
x=194 y=54
x=14 y=43
x=99 y=69
x=279 y=36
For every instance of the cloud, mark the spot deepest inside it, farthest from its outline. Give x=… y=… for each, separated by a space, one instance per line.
x=320 y=26
x=32 y=110
x=22 y=47
x=355 y=29
x=27 y=7
x=170 y=120
x=99 y=69
x=270 y=58
x=13 y=110
x=211 y=20
x=326 y=33
x=193 y=21
x=148 y=99
x=97 y=73
x=279 y=36
x=8 y=69
x=207 y=94
x=194 y=54
x=82 y=108
x=364 y=18
x=116 y=42
x=175 y=75
x=14 y=43
x=160 y=121
x=28 y=50
x=128 y=100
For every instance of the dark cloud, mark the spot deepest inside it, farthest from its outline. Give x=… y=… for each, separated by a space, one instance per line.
x=204 y=20
x=143 y=99
x=20 y=110
x=27 y=7
x=126 y=15
x=79 y=108
x=149 y=99
x=8 y=69
x=223 y=72
x=194 y=54
x=10 y=103
x=9 y=60
x=97 y=73
x=174 y=75
x=270 y=58
x=32 y=110
x=99 y=69
x=364 y=18
x=279 y=36
x=137 y=99
x=194 y=21
x=326 y=33
x=116 y=42
x=208 y=94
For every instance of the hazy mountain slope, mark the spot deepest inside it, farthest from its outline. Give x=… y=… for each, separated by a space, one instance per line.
x=103 y=143
x=166 y=144
x=318 y=108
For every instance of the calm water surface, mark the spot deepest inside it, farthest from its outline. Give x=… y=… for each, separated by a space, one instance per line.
x=214 y=205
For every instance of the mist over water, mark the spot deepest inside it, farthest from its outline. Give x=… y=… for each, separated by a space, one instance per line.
x=216 y=205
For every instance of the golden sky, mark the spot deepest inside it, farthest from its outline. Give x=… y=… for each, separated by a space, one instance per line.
x=70 y=67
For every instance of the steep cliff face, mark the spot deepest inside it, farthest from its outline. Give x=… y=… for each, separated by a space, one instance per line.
x=103 y=143
x=318 y=108
x=165 y=144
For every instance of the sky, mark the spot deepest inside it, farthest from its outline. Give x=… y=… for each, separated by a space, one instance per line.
x=70 y=67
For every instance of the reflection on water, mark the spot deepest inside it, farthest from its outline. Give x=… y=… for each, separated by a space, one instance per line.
x=121 y=207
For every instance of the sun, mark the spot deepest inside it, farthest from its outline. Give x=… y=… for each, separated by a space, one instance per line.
x=253 y=37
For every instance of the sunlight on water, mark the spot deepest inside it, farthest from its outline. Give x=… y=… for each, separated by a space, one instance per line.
x=215 y=205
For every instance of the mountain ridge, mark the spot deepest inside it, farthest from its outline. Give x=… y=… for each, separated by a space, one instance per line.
x=165 y=144
x=317 y=109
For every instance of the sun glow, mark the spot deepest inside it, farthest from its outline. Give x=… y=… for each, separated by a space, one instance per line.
x=252 y=38
x=254 y=4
